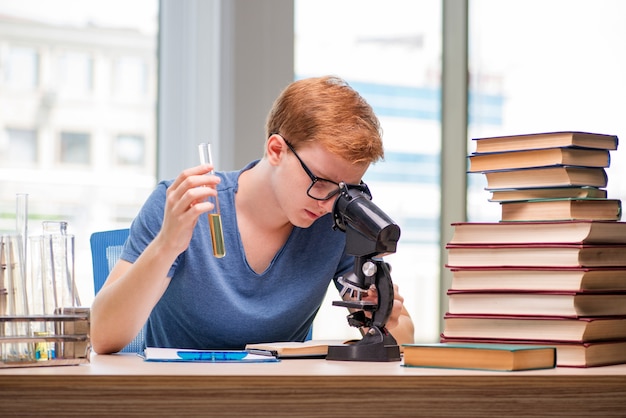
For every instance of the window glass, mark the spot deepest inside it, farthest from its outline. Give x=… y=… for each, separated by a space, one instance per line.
x=390 y=52
x=75 y=72
x=22 y=67
x=74 y=148
x=129 y=150
x=559 y=69
x=20 y=147
x=130 y=77
x=63 y=127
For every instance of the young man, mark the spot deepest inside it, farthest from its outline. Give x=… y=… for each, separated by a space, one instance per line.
x=281 y=249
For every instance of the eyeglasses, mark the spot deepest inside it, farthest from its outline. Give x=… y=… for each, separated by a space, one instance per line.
x=321 y=188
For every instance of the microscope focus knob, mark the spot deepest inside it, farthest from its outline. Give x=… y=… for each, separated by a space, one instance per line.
x=369 y=269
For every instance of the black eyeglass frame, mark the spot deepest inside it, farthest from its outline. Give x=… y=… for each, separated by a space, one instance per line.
x=315 y=179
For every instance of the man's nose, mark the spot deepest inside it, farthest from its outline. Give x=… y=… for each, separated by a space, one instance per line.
x=327 y=205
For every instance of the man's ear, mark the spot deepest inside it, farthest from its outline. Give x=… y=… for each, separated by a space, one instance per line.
x=275 y=148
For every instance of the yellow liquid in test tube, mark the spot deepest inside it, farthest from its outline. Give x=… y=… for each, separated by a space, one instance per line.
x=215 y=219
x=217 y=235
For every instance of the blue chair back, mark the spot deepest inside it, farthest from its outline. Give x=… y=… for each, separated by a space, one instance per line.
x=106 y=249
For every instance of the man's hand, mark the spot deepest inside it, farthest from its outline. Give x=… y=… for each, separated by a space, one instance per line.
x=186 y=200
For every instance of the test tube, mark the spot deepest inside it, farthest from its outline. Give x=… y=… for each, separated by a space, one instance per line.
x=215 y=219
x=21 y=220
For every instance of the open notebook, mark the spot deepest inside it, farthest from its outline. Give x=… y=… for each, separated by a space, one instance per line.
x=306 y=349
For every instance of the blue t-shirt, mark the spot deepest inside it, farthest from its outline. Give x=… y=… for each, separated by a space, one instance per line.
x=214 y=303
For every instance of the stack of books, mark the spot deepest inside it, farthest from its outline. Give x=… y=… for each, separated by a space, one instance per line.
x=548 y=176
x=541 y=275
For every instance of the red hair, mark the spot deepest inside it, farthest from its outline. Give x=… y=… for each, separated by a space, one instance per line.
x=326 y=110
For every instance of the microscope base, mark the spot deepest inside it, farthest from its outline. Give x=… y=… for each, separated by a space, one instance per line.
x=378 y=352
x=373 y=347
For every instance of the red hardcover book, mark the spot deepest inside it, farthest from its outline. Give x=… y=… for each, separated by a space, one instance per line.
x=572 y=232
x=539 y=278
x=562 y=209
x=583 y=157
x=540 y=328
x=557 y=176
x=534 y=303
x=536 y=255
x=545 y=140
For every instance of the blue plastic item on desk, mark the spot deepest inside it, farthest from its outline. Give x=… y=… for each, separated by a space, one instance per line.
x=212 y=355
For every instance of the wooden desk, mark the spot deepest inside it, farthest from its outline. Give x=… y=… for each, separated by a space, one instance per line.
x=123 y=385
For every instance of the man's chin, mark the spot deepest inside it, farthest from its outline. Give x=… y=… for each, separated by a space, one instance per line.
x=305 y=222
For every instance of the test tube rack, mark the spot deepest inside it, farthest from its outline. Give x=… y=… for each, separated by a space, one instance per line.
x=69 y=341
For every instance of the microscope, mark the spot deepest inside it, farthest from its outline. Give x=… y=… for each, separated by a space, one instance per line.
x=370 y=234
